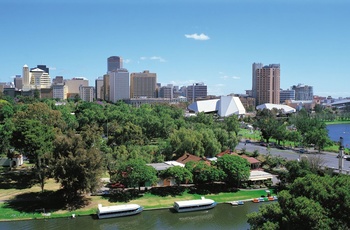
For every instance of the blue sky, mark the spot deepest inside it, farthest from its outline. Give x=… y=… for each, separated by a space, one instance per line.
x=183 y=41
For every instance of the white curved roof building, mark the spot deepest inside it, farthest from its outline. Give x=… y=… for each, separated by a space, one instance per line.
x=224 y=107
x=285 y=108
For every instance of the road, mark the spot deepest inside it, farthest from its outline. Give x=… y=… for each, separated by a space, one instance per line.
x=331 y=160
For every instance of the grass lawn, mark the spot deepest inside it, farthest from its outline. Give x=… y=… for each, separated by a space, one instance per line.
x=337 y=122
x=23 y=209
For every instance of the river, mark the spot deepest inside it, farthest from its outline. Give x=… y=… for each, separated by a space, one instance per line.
x=340 y=130
x=223 y=216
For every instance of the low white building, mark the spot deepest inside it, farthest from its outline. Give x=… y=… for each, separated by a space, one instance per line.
x=285 y=108
x=224 y=106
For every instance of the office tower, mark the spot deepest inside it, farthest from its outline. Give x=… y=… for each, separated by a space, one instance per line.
x=99 y=88
x=26 y=78
x=266 y=83
x=166 y=92
x=195 y=91
x=106 y=88
x=42 y=67
x=114 y=63
x=39 y=79
x=303 y=92
x=18 y=81
x=119 y=88
x=287 y=94
x=58 y=80
x=255 y=66
x=143 y=84
x=59 y=91
x=86 y=93
x=35 y=79
x=74 y=85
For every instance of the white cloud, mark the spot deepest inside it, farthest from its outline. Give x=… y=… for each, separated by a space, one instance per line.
x=52 y=68
x=201 y=37
x=230 y=77
x=156 y=58
x=126 y=61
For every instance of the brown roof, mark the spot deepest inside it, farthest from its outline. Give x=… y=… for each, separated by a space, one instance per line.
x=189 y=157
x=251 y=160
x=223 y=153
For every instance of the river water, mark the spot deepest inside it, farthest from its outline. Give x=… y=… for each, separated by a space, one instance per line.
x=223 y=216
x=340 y=130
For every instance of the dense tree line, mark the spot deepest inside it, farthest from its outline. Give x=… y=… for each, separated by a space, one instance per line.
x=73 y=142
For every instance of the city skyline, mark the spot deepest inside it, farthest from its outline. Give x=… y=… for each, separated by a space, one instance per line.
x=183 y=42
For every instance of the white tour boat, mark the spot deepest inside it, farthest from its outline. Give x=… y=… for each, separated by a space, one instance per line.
x=118 y=210
x=194 y=205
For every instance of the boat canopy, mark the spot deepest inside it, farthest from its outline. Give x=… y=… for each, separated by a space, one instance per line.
x=117 y=208
x=189 y=203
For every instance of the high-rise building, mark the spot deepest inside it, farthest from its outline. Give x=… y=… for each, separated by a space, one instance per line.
x=43 y=68
x=106 y=88
x=114 y=63
x=59 y=91
x=166 y=91
x=303 y=92
x=86 y=93
x=266 y=83
x=143 y=84
x=74 y=85
x=36 y=78
x=26 y=78
x=58 y=80
x=287 y=94
x=119 y=88
x=39 y=79
x=195 y=91
x=99 y=88
x=18 y=81
x=255 y=66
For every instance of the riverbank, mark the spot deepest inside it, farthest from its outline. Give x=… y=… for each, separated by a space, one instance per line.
x=336 y=122
x=148 y=201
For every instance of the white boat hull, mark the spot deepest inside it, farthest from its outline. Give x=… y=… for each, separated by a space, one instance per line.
x=193 y=209
x=113 y=215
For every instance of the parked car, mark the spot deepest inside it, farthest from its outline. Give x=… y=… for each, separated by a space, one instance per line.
x=302 y=151
x=115 y=185
x=345 y=157
x=100 y=193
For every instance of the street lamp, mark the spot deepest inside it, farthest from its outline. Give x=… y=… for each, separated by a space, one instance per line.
x=341 y=154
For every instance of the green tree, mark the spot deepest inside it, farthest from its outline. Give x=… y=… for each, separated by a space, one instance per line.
x=236 y=168
x=124 y=134
x=34 y=139
x=267 y=123
x=180 y=174
x=186 y=141
x=76 y=166
x=6 y=129
x=204 y=173
x=135 y=173
x=231 y=124
x=309 y=203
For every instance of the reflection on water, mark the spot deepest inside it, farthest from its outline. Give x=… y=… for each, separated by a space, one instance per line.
x=196 y=216
x=223 y=216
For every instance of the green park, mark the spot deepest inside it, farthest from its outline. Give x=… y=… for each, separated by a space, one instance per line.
x=68 y=147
